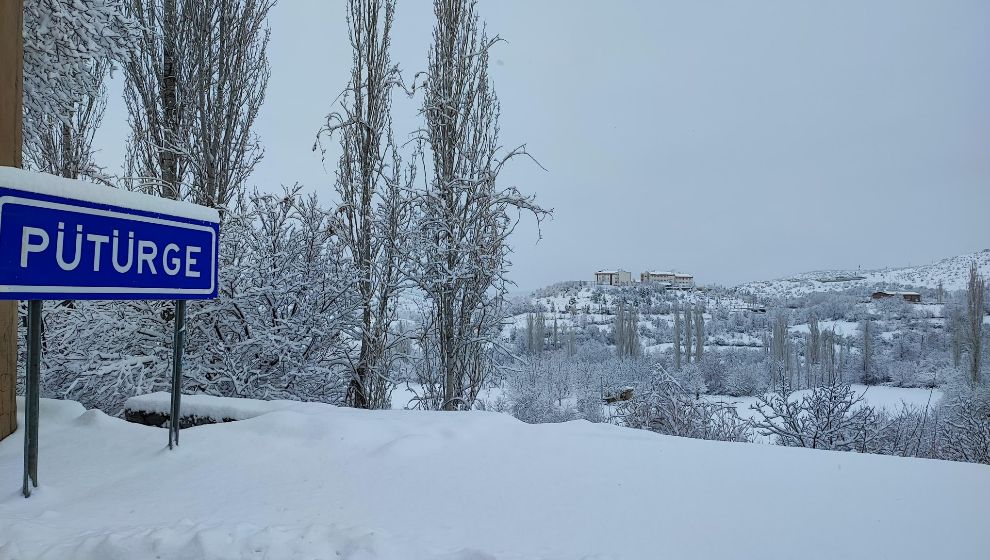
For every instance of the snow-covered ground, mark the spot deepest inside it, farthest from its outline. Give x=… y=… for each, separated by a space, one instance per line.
x=323 y=482
x=881 y=397
x=841 y=328
x=953 y=272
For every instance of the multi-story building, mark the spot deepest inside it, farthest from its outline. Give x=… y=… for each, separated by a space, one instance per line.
x=657 y=276
x=613 y=277
x=683 y=281
x=670 y=279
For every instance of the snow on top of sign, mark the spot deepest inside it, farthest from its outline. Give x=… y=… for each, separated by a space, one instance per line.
x=44 y=183
x=217 y=408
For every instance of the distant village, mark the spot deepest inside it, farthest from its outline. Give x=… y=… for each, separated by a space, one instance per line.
x=619 y=277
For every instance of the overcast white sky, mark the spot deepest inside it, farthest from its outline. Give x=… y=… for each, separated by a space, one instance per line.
x=733 y=140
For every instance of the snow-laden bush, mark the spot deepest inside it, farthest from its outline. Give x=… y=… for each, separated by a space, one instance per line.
x=538 y=392
x=828 y=417
x=965 y=425
x=748 y=378
x=279 y=328
x=667 y=407
x=102 y=352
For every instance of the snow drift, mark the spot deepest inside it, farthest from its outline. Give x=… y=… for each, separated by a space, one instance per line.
x=323 y=482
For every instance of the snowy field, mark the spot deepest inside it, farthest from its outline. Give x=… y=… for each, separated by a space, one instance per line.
x=889 y=399
x=324 y=482
x=881 y=397
x=953 y=272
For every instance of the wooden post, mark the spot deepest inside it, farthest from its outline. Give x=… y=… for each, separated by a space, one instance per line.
x=11 y=102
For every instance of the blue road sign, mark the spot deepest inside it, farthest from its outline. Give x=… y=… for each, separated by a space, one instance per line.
x=64 y=239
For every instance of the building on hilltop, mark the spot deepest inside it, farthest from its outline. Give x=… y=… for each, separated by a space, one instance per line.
x=683 y=281
x=669 y=279
x=657 y=276
x=913 y=297
x=613 y=277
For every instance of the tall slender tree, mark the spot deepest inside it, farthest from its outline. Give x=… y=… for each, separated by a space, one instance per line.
x=975 y=291
x=228 y=76
x=67 y=54
x=778 y=353
x=464 y=215
x=194 y=86
x=688 y=329
x=373 y=215
x=159 y=96
x=699 y=333
x=868 y=357
x=64 y=145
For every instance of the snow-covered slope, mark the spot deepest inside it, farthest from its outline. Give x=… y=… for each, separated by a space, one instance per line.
x=322 y=482
x=952 y=271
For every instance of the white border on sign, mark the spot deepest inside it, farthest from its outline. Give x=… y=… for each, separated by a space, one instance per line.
x=72 y=189
x=110 y=214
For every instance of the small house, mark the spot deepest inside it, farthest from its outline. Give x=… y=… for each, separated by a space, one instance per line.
x=913 y=297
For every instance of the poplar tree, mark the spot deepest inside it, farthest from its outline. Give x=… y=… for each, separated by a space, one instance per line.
x=699 y=334
x=464 y=216
x=688 y=323
x=975 y=290
x=373 y=217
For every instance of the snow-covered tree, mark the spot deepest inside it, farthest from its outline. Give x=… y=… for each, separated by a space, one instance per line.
x=228 y=75
x=160 y=97
x=69 y=48
x=688 y=330
x=699 y=334
x=779 y=380
x=373 y=216
x=625 y=331
x=464 y=216
x=195 y=83
x=814 y=339
x=284 y=323
x=829 y=363
x=870 y=366
x=64 y=145
x=667 y=406
x=827 y=417
x=677 y=337
x=975 y=291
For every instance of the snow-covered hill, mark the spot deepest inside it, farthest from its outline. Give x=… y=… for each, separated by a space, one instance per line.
x=953 y=272
x=317 y=481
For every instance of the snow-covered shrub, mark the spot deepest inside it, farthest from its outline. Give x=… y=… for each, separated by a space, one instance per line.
x=102 y=352
x=714 y=372
x=965 y=434
x=279 y=328
x=690 y=379
x=667 y=407
x=748 y=377
x=828 y=417
x=548 y=388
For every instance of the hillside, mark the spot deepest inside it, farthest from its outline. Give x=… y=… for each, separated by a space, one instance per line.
x=952 y=271
x=317 y=481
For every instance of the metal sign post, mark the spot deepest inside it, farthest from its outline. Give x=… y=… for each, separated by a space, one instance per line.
x=178 y=342
x=65 y=239
x=32 y=396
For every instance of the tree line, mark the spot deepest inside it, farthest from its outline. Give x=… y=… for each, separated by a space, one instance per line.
x=311 y=295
